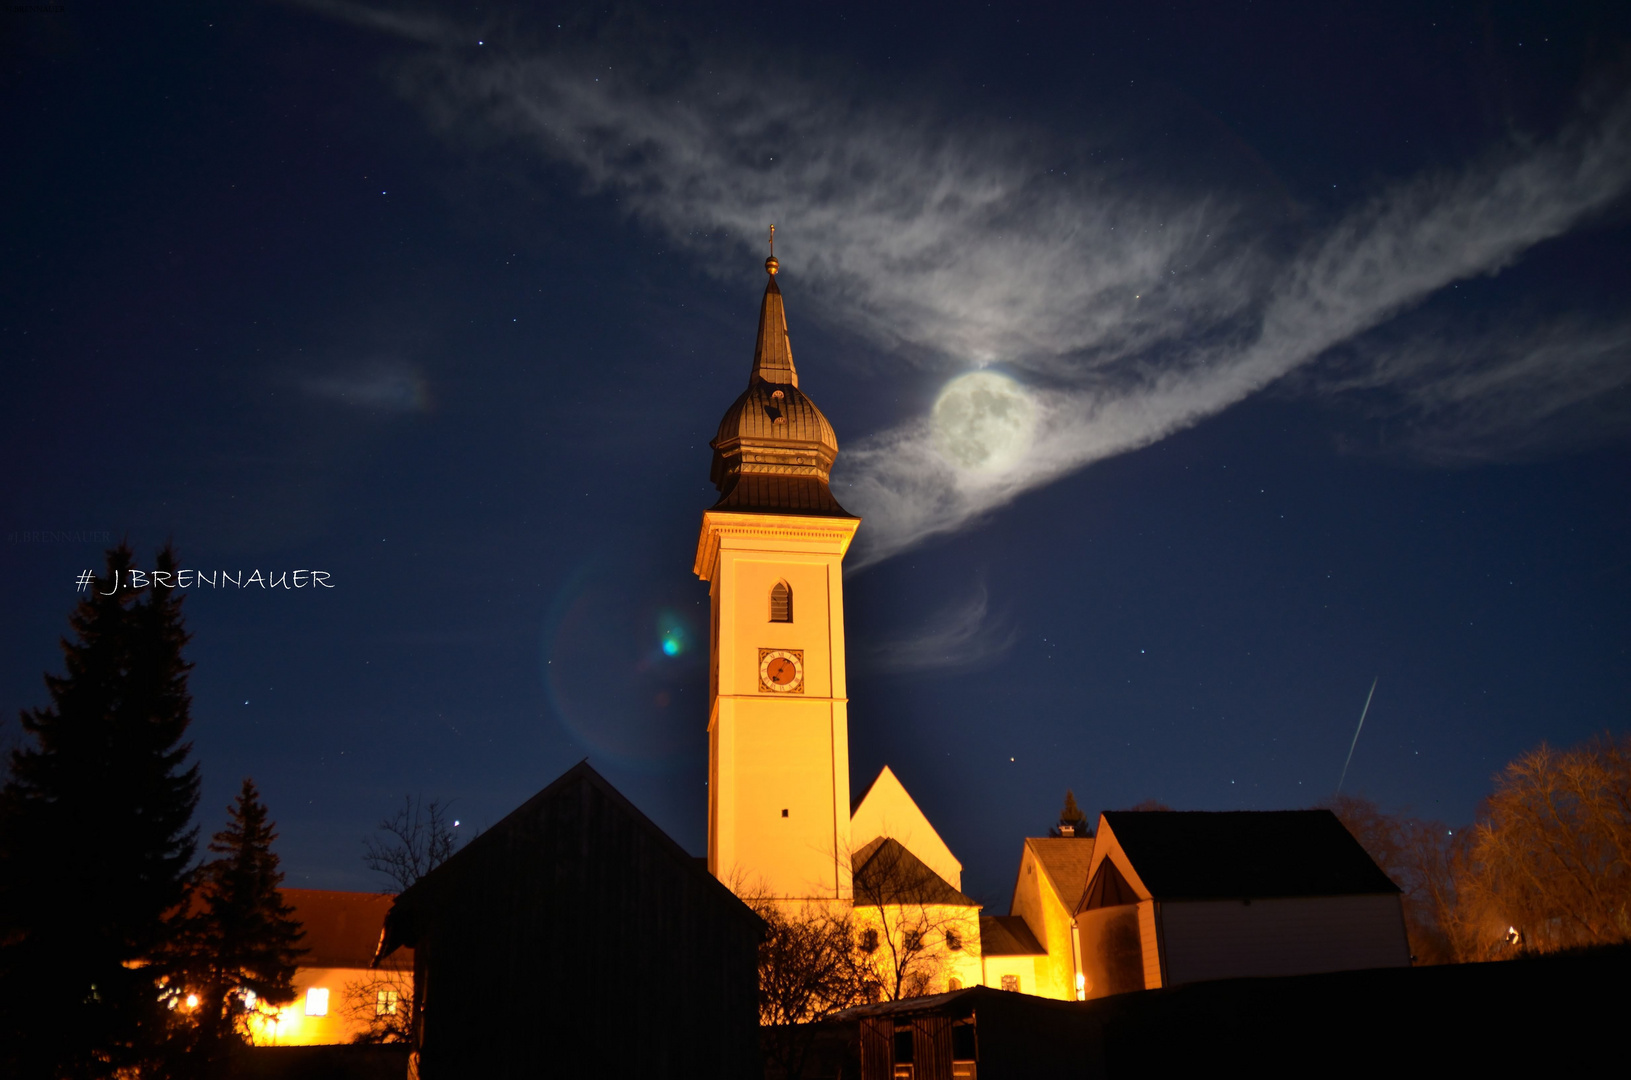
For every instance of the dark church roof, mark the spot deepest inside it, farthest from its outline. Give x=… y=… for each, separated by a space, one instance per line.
x=1245 y=853
x=1007 y=935
x=1066 y=861
x=885 y=872
x=780 y=494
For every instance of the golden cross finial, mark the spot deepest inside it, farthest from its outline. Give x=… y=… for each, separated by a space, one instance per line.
x=771 y=266
x=772 y=240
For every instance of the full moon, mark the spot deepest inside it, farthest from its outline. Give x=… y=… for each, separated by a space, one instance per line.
x=983 y=422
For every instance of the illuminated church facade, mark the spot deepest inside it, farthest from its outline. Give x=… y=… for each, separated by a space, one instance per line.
x=1152 y=898
x=781 y=820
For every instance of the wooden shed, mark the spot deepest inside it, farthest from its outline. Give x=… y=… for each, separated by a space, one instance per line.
x=1181 y=897
x=575 y=938
x=973 y=1034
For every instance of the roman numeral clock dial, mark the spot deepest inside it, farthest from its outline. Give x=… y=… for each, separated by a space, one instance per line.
x=781 y=671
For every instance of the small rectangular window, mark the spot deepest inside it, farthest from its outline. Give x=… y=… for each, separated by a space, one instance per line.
x=903 y=1046
x=386 y=1005
x=316 y=1002
x=1011 y=982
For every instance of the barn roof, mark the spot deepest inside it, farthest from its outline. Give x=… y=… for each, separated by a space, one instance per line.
x=519 y=823
x=1245 y=853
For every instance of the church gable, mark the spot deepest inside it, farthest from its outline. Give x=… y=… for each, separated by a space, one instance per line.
x=886 y=810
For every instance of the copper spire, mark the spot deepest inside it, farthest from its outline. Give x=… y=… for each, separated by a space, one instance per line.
x=773 y=354
x=774 y=451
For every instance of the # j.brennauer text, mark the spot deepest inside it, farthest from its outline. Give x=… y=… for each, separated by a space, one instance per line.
x=206 y=579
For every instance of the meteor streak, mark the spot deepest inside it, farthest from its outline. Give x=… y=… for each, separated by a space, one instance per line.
x=1357 y=730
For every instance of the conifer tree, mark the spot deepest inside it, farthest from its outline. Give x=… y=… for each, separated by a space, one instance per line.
x=95 y=837
x=244 y=942
x=1071 y=816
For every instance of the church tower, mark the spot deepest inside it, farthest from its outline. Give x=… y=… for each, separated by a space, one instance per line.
x=771 y=550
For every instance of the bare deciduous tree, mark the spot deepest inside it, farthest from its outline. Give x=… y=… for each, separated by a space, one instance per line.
x=1419 y=856
x=911 y=922
x=809 y=968
x=1549 y=862
x=383 y=1005
x=418 y=838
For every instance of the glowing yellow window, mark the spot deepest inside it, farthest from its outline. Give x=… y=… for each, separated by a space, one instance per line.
x=316 y=1002
x=386 y=1004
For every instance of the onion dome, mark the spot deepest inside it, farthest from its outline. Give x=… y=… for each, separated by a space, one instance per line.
x=774 y=451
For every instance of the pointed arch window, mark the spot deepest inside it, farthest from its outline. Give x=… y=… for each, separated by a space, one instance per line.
x=781 y=603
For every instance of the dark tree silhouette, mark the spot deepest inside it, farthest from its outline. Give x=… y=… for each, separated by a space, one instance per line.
x=809 y=968
x=95 y=837
x=243 y=940
x=1072 y=818
x=418 y=838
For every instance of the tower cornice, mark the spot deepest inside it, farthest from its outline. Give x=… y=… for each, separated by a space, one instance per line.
x=770 y=532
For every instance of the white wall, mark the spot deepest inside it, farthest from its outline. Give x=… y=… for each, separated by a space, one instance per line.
x=1222 y=939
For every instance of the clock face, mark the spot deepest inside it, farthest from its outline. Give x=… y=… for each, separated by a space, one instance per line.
x=781 y=671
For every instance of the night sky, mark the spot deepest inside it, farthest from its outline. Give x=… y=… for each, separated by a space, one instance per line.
x=1323 y=313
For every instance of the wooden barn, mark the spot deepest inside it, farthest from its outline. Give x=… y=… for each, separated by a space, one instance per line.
x=1182 y=897
x=575 y=938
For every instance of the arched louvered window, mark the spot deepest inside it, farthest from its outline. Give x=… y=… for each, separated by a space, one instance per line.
x=781 y=603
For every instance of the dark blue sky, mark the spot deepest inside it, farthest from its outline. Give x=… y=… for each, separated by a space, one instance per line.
x=1324 y=313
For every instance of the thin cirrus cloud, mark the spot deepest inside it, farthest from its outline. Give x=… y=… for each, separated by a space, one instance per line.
x=1131 y=309
x=959 y=636
x=1455 y=395
x=384 y=388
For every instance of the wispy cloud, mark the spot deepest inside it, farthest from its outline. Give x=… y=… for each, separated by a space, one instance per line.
x=1458 y=395
x=1130 y=309
x=960 y=635
x=383 y=387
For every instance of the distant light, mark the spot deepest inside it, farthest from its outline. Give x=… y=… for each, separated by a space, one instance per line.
x=455 y=823
x=317 y=1001
x=192 y=1001
x=249 y=999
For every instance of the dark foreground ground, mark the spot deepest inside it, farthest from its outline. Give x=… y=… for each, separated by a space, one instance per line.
x=1564 y=1014
x=322 y=1063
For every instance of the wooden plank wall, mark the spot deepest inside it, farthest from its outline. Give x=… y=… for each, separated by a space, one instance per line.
x=579 y=943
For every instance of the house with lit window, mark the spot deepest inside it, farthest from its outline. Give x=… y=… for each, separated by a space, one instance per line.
x=340 y=993
x=1184 y=897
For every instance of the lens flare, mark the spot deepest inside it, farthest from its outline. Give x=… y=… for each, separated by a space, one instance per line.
x=671 y=631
